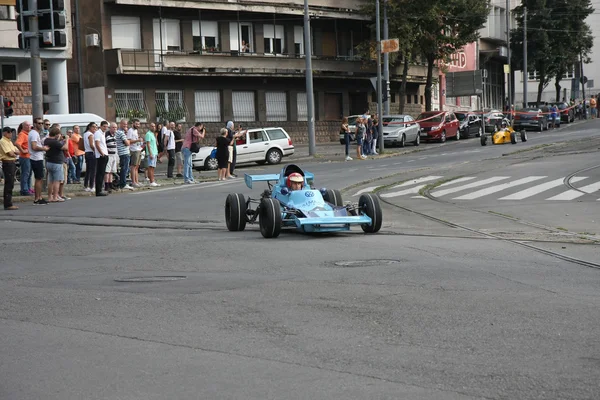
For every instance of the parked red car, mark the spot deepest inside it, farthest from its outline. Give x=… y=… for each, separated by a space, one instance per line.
x=438 y=125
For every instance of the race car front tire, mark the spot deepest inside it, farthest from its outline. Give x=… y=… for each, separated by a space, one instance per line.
x=269 y=218
x=513 y=137
x=235 y=212
x=369 y=205
x=334 y=197
x=523 y=136
x=483 y=140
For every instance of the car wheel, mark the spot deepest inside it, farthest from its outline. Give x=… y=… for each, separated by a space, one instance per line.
x=443 y=138
x=483 y=140
x=235 y=212
x=513 y=138
x=369 y=205
x=334 y=197
x=269 y=218
x=274 y=156
x=523 y=136
x=211 y=164
x=479 y=131
x=417 y=140
x=402 y=141
x=457 y=137
x=540 y=128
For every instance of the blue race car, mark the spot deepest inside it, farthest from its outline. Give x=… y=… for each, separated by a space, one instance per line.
x=305 y=210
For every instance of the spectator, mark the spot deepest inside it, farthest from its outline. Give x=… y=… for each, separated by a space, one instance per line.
x=360 y=135
x=169 y=145
x=223 y=154
x=124 y=154
x=375 y=136
x=192 y=136
x=36 y=157
x=101 y=154
x=55 y=159
x=71 y=172
x=135 y=149
x=345 y=130
x=113 y=158
x=593 y=107
x=24 y=162
x=90 y=158
x=178 y=154
x=79 y=147
x=231 y=134
x=8 y=156
x=151 y=154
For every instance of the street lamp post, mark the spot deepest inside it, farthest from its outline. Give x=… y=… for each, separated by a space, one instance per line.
x=310 y=100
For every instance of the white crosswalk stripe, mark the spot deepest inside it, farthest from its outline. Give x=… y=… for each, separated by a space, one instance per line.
x=365 y=190
x=412 y=190
x=468 y=186
x=532 y=191
x=573 y=194
x=497 y=188
x=415 y=181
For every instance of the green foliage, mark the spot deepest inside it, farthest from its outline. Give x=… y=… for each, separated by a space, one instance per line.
x=132 y=113
x=176 y=113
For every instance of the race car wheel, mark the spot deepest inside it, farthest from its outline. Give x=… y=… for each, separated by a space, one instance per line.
x=483 y=140
x=235 y=212
x=274 y=156
x=334 y=197
x=269 y=218
x=211 y=164
x=513 y=138
x=523 y=136
x=369 y=205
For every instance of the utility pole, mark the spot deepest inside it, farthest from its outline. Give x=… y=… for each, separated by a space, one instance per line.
x=35 y=65
x=379 y=105
x=525 y=74
x=386 y=60
x=310 y=100
x=583 y=85
x=508 y=86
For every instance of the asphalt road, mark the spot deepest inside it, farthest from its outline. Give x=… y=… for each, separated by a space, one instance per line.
x=462 y=295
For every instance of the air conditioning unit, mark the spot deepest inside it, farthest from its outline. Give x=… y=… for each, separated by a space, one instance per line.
x=92 y=40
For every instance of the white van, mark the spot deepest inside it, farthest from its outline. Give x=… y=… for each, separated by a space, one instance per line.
x=66 y=121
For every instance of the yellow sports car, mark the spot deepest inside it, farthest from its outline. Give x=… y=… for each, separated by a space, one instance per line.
x=506 y=134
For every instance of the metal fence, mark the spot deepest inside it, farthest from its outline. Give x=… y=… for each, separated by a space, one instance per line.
x=130 y=104
x=276 y=106
x=208 y=105
x=244 y=106
x=170 y=106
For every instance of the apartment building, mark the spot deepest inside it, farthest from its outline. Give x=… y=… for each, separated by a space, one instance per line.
x=15 y=76
x=214 y=61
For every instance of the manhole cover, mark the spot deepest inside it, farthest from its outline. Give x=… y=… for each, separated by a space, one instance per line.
x=151 y=278
x=365 y=263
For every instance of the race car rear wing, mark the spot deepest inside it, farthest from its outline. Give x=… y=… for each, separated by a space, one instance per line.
x=249 y=179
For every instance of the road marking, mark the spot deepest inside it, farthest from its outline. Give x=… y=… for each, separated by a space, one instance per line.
x=366 y=190
x=422 y=158
x=410 y=161
x=384 y=165
x=573 y=194
x=353 y=169
x=484 y=192
x=403 y=192
x=532 y=191
x=469 y=186
x=398 y=163
x=466 y=178
x=190 y=187
x=415 y=181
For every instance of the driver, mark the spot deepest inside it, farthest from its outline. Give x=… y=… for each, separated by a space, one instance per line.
x=295 y=181
x=504 y=124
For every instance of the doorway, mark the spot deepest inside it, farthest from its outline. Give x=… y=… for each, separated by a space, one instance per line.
x=358 y=103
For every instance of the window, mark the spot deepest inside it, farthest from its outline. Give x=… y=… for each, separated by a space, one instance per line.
x=276 y=106
x=465 y=101
x=241 y=32
x=302 y=107
x=125 y=32
x=451 y=101
x=130 y=104
x=298 y=40
x=170 y=106
x=206 y=35
x=7 y=12
x=171 y=37
x=243 y=106
x=276 y=134
x=208 y=105
x=273 y=39
x=533 y=75
x=9 y=72
x=257 y=137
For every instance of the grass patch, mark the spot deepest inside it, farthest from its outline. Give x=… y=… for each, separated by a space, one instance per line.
x=389 y=185
x=503 y=215
x=431 y=186
x=560 y=228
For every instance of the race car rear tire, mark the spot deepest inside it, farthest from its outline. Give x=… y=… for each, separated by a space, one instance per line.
x=269 y=218
x=523 y=136
x=334 y=197
x=483 y=140
x=235 y=212
x=369 y=205
x=513 y=138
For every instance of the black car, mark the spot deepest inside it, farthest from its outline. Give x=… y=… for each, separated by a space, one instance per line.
x=566 y=114
x=470 y=124
x=492 y=118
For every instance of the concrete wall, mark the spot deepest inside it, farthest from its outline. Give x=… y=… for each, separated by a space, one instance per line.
x=95 y=100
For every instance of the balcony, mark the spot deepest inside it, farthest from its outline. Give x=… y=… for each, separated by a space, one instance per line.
x=153 y=62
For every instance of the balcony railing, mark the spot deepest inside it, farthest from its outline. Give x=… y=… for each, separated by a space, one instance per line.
x=129 y=61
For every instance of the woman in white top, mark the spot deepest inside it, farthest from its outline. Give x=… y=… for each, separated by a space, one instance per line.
x=90 y=157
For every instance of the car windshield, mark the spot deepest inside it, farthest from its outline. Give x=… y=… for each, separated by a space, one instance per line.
x=461 y=116
x=352 y=120
x=532 y=110
x=392 y=119
x=428 y=116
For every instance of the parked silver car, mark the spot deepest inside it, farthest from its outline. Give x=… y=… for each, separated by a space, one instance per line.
x=259 y=145
x=399 y=130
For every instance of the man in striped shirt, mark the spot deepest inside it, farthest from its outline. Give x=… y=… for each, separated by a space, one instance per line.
x=113 y=159
x=124 y=155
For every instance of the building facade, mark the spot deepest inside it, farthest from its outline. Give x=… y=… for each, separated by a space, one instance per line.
x=15 y=76
x=214 y=61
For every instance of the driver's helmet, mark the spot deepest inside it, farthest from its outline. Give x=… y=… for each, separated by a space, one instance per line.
x=294 y=177
x=504 y=124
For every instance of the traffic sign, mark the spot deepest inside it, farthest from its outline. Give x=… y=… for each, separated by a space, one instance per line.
x=390 y=46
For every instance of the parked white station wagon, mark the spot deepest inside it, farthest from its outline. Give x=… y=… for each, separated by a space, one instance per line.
x=259 y=145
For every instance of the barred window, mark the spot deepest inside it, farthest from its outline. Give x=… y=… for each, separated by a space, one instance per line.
x=170 y=106
x=243 y=106
x=208 y=105
x=465 y=101
x=130 y=104
x=276 y=106
x=302 y=106
x=451 y=101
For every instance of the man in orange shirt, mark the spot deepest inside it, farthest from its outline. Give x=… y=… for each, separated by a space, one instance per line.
x=593 y=105
x=79 y=149
x=24 y=161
